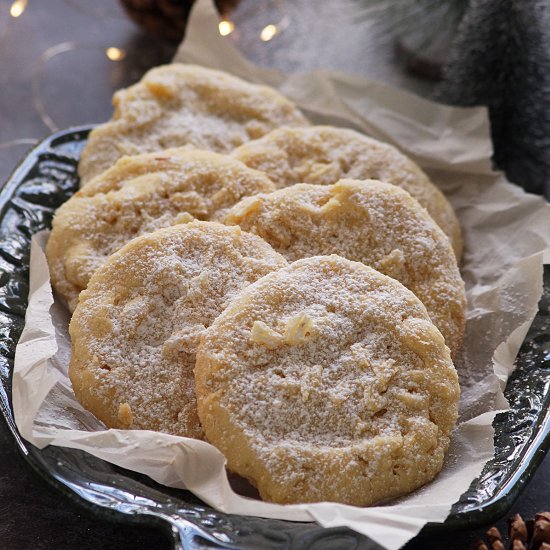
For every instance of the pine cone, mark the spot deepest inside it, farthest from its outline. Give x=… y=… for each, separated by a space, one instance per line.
x=531 y=535
x=541 y=530
x=166 y=18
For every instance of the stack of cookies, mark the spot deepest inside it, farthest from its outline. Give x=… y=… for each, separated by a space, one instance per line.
x=290 y=293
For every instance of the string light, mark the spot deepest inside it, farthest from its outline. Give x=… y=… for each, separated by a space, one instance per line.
x=115 y=54
x=18 y=7
x=226 y=27
x=268 y=32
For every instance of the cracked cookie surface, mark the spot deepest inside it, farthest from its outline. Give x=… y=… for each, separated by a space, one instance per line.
x=136 y=328
x=325 y=154
x=371 y=222
x=136 y=196
x=326 y=380
x=178 y=104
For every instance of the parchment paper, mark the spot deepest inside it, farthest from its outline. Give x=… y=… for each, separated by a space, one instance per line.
x=505 y=231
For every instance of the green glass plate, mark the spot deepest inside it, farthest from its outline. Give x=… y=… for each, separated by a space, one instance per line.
x=44 y=180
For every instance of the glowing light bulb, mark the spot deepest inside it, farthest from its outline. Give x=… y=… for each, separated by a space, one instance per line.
x=18 y=7
x=268 y=32
x=115 y=54
x=226 y=27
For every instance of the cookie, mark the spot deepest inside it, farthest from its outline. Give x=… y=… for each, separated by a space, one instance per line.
x=138 y=195
x=176 y=105
x=136 y=328
x=371 y=222
x=326 y=381
x=324 y=154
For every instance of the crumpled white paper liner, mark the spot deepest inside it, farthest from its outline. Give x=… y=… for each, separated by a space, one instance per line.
x=506 y=232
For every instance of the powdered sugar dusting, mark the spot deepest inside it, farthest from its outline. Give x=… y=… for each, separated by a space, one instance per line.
x=375 y=223
x=324 y=154
x=139 y=195
x=137 y=327
x=355 y=410
x=177 y=105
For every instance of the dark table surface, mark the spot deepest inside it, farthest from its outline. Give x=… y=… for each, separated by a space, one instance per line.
x=60 y=62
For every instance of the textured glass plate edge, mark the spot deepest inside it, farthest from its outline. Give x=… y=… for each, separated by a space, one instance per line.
x=44 y=179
